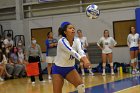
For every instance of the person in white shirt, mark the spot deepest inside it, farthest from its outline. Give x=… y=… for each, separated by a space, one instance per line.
x=65 y=60
x=132 y=42
x=84 y=46
x=8 y=42
x=106 y=44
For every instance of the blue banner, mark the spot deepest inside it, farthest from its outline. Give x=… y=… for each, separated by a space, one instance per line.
x=137 y=14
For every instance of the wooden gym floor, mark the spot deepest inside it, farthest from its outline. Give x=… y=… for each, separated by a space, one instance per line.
x=124 y=83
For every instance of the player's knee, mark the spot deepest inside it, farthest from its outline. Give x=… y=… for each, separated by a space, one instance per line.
x=111 y=64
x=81 y=88
x=135 y=59
x=104 y=64
x=132 y=60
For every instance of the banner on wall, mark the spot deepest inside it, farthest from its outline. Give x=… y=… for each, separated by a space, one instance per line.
x=137 y=14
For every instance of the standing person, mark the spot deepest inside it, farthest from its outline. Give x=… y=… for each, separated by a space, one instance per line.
x=51 y=47
x=65 y=60
x=84 y=44
x=132 y=42
x=106 y=44
x=34 y=54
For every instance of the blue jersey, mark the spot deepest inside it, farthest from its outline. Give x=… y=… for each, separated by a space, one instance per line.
x=50 y=51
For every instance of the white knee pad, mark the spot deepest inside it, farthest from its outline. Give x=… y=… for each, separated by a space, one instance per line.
x=135 y=59
x=111 y=64
x=81 y=88
x=104 y=64
x=132 y=60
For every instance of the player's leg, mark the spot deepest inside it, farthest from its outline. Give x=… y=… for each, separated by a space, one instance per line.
x=49 y=60
x=136 y=60
x=82 y=68
x=104 y=58
x=58 y=82
x=132 y=56
x=74 y=78
x=111 y=63
x=89 y=69
x=1 y=72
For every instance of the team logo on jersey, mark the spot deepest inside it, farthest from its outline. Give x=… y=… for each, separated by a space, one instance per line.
x=106 y=43
x=71 y=57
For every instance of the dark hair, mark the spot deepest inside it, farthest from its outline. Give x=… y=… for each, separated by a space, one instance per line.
x=61 y=30
x=49 y=34
x=79 y=30
x=105 y=31
x=9 y=35
x=130 y=29
x=12 y=50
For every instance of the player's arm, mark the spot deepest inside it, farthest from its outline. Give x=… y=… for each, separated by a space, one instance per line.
x=99 y=44
x=79 y=48
x=114 y=43
x=84 y=58
x=65 y=46
x=128 y=40
x=48 y=44
x=86 y=43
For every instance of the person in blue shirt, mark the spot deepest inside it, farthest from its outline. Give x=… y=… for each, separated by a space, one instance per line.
x=51 y=47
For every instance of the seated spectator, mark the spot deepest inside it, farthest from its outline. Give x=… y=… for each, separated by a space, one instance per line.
x=8 y=42
x=19 y=69
x=3 y=62
x=21 y=60
x=21 y=46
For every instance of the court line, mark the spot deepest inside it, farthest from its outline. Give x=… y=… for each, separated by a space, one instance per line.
x=127 y=89
x=115 y=86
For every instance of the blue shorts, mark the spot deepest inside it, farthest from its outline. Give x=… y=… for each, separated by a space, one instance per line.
x=63 y=71
x=134 y=48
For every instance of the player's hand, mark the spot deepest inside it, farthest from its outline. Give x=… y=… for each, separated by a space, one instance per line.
x=102 y=48
x=86 y=62
x=110 y=47
x=87 y=65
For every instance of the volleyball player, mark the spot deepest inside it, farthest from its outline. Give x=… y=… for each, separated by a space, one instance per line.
x=106 y=44
x=65 y=60
x=132 y=42
x=84 y=44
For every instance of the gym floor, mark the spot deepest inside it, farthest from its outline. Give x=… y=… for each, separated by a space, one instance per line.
x=119 y=83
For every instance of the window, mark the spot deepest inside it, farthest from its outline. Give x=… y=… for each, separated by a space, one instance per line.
x=40 y=34
x=121 y=30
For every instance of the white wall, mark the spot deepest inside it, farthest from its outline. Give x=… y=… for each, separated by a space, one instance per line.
x=5 y=3
x=93 y=29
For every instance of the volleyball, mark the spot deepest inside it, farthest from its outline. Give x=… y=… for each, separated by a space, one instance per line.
x=92 y=11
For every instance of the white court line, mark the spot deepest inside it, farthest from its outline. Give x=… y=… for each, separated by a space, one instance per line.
x=126 y=89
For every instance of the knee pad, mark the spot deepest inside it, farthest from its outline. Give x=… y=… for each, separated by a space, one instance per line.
x=111 y=64
x=135 y=59
x=132 y=60
x=81 y=88
x=104 y=64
